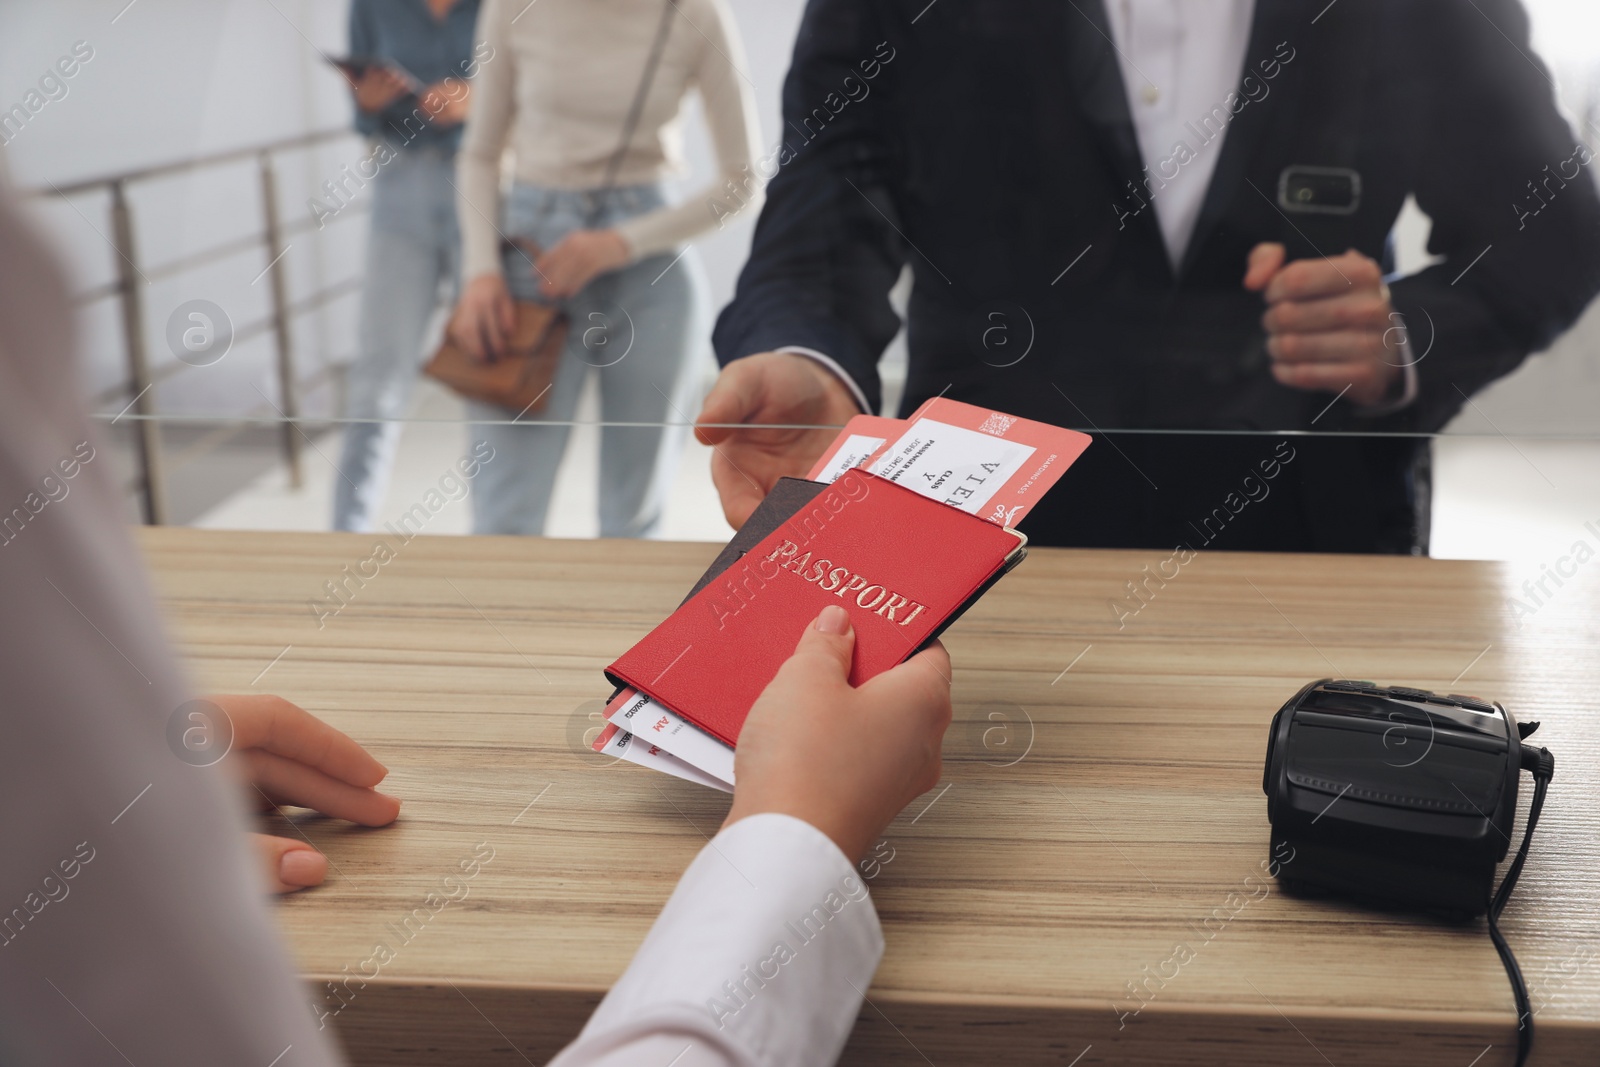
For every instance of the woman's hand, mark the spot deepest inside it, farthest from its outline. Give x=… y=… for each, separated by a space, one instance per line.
x=447 y=102
x=289 y=756
x=846 y=760
x=484 y=318
x=377 y=89
x=578 y=258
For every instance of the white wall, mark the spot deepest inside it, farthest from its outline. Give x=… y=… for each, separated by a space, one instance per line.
x=171 y=79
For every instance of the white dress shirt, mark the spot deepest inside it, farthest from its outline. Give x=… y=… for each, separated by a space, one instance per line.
x=1181 y=60
x=1182 y=63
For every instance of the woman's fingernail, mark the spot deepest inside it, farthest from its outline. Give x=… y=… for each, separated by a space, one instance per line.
x=834 y=620
x=301 y=866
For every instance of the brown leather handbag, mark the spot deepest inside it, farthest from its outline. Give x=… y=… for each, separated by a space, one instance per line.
x=520 y=378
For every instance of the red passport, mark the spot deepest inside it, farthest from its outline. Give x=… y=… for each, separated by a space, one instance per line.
x=904 y=566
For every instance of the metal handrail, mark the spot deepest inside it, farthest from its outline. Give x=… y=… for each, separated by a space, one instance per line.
x=178 y=166
x=223 y=251
x=128 y=288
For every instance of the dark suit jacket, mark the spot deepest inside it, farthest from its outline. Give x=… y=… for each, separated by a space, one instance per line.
x=992 y=148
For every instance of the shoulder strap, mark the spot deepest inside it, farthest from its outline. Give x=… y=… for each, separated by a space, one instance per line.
x=631 y=124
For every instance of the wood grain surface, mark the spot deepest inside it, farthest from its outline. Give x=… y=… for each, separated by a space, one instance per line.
x=1101 y=798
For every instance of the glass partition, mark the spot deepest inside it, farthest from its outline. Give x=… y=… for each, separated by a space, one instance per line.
x=1376 y=249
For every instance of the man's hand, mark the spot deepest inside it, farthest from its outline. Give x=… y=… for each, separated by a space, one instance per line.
x=844 y=760
x=769 y=387
x=286 y=755
x=377 y=88
x=447 y=101
x=578 y=258
x=1329 y=323
x=484 y=317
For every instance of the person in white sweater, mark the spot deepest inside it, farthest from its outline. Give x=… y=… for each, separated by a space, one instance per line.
x=583 y=98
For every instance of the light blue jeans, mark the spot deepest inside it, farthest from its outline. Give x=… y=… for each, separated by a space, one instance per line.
x=413 y=248
x=641 y=330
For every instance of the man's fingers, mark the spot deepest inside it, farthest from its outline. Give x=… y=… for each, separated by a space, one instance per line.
x=733 y=399
x=1355 y=348
x=289 y=865
x=1308 y=279
x=1366 y=382
x=743 y=418
x=739 y=497
x=1364 y=310
x=1265 y=259
x=287 y=781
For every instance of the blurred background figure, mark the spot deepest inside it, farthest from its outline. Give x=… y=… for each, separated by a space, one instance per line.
x=587 y=98
x=409 y=64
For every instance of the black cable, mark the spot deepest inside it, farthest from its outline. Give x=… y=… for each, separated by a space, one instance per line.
x=1543 y=766
x=636 y=107
x=1519 y=990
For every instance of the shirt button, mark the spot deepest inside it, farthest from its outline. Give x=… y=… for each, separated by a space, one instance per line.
x=1150 y=94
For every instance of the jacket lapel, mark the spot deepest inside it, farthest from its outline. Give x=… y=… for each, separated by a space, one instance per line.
x=1275 y=21
x=1097 y=84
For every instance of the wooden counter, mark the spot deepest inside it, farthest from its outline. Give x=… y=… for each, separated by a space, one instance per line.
x=1101 y=798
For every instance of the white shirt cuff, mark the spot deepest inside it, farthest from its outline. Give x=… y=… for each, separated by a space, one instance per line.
x=834 y=369
x=1408 y=374
x=762 y=955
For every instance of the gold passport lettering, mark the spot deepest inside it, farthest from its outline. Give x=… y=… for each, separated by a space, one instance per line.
x=741 y=583
x=842 y=582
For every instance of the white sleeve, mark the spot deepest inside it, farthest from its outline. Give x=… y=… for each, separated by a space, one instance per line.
x=762 y=956
x=730 y=112
x=483 y=143
x=1408 y=373
x=1408 y=388
x=133 y=921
